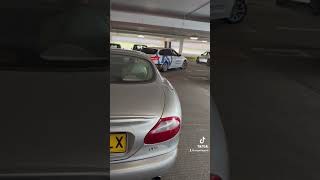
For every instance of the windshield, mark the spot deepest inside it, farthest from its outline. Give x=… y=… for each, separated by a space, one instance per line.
x=126 y=69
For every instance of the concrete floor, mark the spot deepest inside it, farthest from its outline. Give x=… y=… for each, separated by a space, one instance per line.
x=267 y=88
x=193 y=87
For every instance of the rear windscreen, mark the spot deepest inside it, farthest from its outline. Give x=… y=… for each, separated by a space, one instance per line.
x=149 y=50
x=126 y=69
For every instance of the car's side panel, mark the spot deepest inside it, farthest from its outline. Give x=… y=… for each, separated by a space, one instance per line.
x=166 y=59
x=172 y=103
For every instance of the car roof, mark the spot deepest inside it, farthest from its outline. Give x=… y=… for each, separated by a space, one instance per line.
x=130 y=53
x=159 y=48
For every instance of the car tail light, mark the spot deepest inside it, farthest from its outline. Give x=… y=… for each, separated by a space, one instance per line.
x=215 y=177
x=155 y=58
x=165 y=129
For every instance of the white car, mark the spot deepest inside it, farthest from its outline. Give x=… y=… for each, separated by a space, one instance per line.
x=165 y=58
x=203 y=58
x=233 y=11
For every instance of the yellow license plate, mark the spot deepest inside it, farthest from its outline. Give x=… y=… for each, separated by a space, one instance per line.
x=118 y=143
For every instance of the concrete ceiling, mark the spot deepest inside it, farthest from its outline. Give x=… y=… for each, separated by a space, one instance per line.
x=180 y=18
x=194 y=9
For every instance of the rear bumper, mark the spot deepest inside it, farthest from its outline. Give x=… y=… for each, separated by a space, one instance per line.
x=143 y=169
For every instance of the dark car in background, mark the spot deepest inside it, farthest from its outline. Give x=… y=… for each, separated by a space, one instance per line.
x=115 y=45
x=139 y=47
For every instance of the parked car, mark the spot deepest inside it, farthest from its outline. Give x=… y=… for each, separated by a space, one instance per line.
x=166 y=58
x=233 y=11
x=145 y=118
x=139 y=47
x=203 y=58
x=314 y=4
x=115 y=45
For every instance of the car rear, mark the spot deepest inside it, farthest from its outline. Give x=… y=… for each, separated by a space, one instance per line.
x=154 y=54
x=144 y=135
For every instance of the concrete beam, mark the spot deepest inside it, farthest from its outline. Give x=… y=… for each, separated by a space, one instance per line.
x=147 y=19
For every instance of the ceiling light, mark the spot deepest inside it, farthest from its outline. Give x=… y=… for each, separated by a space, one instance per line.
x=194 y=38
x=204 y=41
x=141 y=36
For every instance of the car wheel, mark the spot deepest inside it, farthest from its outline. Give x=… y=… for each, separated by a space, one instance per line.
x=197 y=61
x=281 y=2
x=184 y=65
x=239 y=11
x=164 y=67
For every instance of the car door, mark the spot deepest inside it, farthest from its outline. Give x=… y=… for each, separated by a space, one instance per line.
x=178 y=58
x=167 y=57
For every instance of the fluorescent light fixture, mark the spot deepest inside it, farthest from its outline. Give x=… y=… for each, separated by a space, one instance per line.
x=204 y=41
x=194 y=38
x=141 y=36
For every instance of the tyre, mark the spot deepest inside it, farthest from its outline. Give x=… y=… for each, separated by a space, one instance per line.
x=184 y=65
x=239 y=11
x=164 y=67
x=208 y=62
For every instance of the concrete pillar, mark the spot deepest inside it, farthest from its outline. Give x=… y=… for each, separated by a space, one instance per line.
x=165 y=44
x=181 y=46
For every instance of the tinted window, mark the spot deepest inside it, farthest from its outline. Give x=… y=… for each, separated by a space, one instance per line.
x=165 y=52
x=149 y=50
x=125 y=69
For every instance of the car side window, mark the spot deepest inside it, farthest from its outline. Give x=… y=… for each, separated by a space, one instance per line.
x=174 y=53
x=166 y=52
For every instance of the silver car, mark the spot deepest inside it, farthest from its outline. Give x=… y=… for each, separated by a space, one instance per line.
x=145 y=118
x=233 y=11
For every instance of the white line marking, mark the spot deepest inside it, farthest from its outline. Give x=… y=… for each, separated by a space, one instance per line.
x=297 y=29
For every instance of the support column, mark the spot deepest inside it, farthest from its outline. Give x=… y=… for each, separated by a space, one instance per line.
x=165 y=44
x=181 y=46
